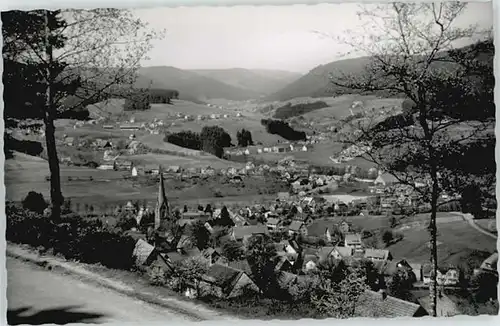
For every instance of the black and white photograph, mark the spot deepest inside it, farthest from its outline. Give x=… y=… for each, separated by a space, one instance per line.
x=249 y=162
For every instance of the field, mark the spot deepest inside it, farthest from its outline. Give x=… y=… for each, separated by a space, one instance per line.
x=318 y=155
x=26 y=173
x=456 y=239
x=150 y=160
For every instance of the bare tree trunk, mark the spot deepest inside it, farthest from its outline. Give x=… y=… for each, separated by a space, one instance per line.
x=433 y=233
x=56 y=196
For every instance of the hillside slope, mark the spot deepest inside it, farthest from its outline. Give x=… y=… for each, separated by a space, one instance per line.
x=261 y=81
x=191 y=86
x=317 y=84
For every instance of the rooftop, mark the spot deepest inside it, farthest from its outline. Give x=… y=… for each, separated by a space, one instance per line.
x=373 y=304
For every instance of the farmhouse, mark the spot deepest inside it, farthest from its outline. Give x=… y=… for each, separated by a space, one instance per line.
x=297 y=227
x=240 y=232
x=385 y=180
x=122 y=165
x=130 y=126
x=353 y=240
x=378 y=254
x=272 y=223
x=226 y=282
x=444 y=276
x=69 y=141
x=106 y=166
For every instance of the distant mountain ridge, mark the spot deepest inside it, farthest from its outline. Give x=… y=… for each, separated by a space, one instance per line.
x=262 y=81
x=199 y=85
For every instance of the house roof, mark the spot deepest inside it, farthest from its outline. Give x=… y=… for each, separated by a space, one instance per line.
x=324 y=253
x=386 y=178
x=377 y=253
x=222 y=276
x=142 y=251
x=241 y=231
x=344 y=251
x=295 y=225
x=353 y=237
x=273 y=221
x=242 y=265
x=372 y=304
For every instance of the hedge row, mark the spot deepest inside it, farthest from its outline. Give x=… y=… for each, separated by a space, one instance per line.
x=87 y=241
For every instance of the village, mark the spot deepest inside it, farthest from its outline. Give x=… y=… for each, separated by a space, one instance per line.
x=302 y=248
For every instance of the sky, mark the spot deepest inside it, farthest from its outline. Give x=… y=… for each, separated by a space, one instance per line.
x=261 y=37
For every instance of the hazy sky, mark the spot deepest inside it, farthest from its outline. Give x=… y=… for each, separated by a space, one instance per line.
x=265 y=37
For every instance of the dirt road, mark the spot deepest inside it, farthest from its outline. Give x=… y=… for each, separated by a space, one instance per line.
x=38 y=296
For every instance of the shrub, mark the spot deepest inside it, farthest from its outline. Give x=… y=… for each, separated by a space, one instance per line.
x=35 y=202
x=75 y=238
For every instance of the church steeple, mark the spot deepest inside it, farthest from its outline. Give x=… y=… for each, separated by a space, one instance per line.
x=162 y=209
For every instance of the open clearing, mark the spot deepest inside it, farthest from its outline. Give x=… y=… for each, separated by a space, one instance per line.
x=25 y=173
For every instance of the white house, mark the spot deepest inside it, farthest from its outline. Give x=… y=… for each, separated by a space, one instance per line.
x=134 y=171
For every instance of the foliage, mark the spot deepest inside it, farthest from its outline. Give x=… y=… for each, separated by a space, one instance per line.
x=138 y=101
x=156 y=275
x=162 y=95
x=401 y=284
x=186 y=139
x=287 y=111
x=283 y=129
x=189 y=271
x=224 y=220
x=214 y=139
x=244 y=138
x=200 y=235
x=339 y=300
x=29 y=147
x=75 y=238
x=487 y=286
x=261 y=254
x=233 y=250
x=35 y=202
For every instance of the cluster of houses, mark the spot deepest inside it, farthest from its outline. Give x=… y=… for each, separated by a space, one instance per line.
x=259 y=149
x=350 y=153
x=227 y=279
x=297 y=257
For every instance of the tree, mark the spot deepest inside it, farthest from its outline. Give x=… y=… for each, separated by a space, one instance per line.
x=214 y=139
x=339 y=299
x=35 y=202
x=225 y=219
x=261 y=254
x=200 y=235
x=189 y=271
x=233 y=251
x=401 y=284
x=244 y=138
x=411 y=49
x=185 y=209
x=69 y=59
x=209 y=210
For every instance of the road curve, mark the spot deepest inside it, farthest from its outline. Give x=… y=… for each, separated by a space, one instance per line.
x=470 y=220
x=39 y=296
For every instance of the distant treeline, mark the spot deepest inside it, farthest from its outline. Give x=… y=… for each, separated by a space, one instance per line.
x=141 y=99
x=211 y=140
x=289 y=110
x=186 y=139
x=283 y=129
x=28 y=147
